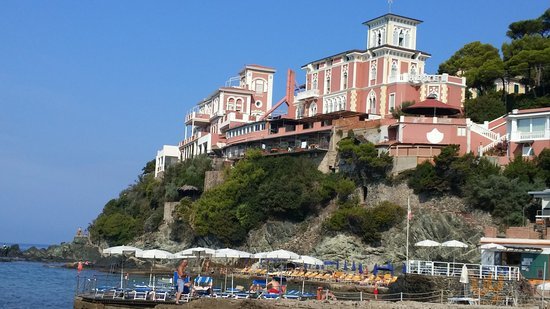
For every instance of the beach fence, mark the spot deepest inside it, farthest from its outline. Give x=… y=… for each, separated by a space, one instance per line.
x=442 y=296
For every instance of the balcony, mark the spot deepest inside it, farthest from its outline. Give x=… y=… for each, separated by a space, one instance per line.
x=418 y=79
x=192 y=138
x=306 y=94
x=518 y=136
x=543 y=213
x=197 y=118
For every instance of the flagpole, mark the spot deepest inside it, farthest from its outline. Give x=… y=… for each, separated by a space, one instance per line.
x=408 y=225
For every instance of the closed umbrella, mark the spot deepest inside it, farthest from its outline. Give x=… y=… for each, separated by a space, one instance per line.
x=121 y=250
x=345 y=265
x=361 y=268
x=375 y=269
x=353 y=266
x=464 y=277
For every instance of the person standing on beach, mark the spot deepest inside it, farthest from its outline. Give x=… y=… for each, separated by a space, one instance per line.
x=182 y=279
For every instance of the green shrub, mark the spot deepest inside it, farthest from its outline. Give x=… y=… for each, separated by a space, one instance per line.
x=367 y=223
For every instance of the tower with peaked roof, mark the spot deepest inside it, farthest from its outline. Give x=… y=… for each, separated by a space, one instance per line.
x=378 y=79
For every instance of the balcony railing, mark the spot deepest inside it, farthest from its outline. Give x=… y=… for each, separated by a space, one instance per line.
x=518 y=136
x=543 y=213
x=419 y=78
x=197 y=117
x=449 y=269
x=307 y=94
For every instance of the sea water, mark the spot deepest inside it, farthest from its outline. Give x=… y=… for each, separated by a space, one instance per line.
x=37 y=285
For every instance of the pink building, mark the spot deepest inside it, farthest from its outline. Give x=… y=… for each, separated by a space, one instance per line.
x=378 y=79
x=245 y=98
x=356 y=90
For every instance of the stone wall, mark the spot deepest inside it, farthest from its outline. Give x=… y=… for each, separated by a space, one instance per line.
x=212 y=179
x=169 y=208
x=403 y=163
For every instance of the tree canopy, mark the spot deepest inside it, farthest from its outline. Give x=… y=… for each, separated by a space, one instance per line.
x=479 y=63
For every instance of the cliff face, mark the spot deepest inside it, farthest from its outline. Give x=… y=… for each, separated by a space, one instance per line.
x=436 y=219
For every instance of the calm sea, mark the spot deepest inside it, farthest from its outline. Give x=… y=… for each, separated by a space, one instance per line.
x=37 y=285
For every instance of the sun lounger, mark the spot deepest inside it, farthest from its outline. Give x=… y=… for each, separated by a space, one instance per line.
x=202 y=286
x=267 y=295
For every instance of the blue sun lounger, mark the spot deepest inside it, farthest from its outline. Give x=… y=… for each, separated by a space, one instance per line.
x=202 y=286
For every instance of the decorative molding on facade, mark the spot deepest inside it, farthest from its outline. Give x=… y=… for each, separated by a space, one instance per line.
x=382 y=101
x=435 y=136
x=353 y=101
x=444 y=93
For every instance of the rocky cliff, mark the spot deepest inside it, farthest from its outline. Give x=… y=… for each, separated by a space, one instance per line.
x=438 y=219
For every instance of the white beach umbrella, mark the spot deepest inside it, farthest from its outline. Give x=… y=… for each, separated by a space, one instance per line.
x=427 y=243
x=231 y=253
x=454 y=244
x=280 y=254
x=309 y=260
x=194 y=251
x=492 y=246
x=154 y=254
x=259 y=255
x=228 y=253
x=121 y=250
x=198 y=252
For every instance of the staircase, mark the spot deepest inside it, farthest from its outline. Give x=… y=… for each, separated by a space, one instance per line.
x=494 y=137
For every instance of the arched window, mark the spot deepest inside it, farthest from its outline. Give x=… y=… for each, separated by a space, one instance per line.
x=239 y=105
x=401 y=38
x=345 y=81
x=312 y=109
x=327 y=84
x=413 y=69
x=379 y=38
x=407 y=39
x=314 y=81
x=259 y=86
x=373 y=70
x=371 y=103
x=231 y=104
x=299 y=111
x=393 y=73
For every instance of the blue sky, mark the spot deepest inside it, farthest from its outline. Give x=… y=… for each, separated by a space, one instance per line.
x=90 y=90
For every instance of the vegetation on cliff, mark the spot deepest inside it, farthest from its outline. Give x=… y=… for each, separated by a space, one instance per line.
x=138 y=208
x=503 y=193
x=258 y=189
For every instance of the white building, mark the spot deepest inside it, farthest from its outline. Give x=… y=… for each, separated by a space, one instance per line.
x=167 y=156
